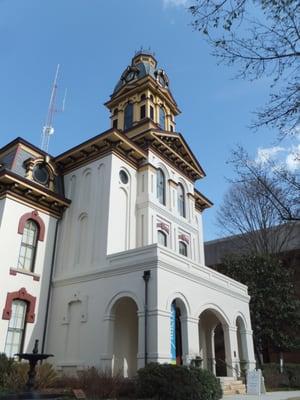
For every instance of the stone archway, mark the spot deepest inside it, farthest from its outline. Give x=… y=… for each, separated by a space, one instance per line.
x=125 y=337
x=212 y=341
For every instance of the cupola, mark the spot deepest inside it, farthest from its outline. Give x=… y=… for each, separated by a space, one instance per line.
x=143 y=94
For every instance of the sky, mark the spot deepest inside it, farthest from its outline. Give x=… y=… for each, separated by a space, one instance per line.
x=94 y=41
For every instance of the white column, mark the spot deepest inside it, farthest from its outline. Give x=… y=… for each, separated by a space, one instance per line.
x=231 y=350
x=141 y=340
x=108 y=339
x=248 y=335
x=159 y=336
x=190 y=338
x=213 y=354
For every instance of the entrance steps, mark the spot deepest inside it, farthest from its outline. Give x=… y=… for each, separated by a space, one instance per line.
x=231 y=385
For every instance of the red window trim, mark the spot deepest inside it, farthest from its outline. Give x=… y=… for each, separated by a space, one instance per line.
x=36 y=218
x=20 y=295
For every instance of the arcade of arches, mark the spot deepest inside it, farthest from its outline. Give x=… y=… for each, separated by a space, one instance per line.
x=222 y=348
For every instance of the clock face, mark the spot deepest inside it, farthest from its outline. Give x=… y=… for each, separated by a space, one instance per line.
x=130 y=76
x=161 y=80
x=40 y=174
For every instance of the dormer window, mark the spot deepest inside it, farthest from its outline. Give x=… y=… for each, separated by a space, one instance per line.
x=128 y=116
x=162 y=118
x=40 y=174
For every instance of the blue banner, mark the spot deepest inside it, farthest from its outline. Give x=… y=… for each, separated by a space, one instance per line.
x=173 y=333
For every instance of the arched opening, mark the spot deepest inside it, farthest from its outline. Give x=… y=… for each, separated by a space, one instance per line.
x=178 y=332
x=161 y=186
x=162 y=238
x=181 y=200
x=125 y=343
x=219 y=344
x=242 y=344
x=28 y=246
x=162 y=118
x=212 y=342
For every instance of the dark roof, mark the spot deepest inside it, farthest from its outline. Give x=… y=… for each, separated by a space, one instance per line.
x=216 y=250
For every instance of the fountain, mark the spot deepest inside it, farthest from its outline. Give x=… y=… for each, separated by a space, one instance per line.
x=33 y=359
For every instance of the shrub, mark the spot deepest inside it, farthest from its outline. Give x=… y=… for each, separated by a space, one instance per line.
x=172 y=382
x=98 y=384
x=290 y=377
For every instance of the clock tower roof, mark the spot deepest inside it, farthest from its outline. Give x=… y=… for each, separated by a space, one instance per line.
x=143 y=64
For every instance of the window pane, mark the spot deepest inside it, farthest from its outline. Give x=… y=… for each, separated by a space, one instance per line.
x=28 y=246
x=162 y=238
x=162 y=118
x=160 y=187
x=181 y=200
x=128 y=117
x=143 y=111
x=151 y=112
x=182 y=248
x=16 y=328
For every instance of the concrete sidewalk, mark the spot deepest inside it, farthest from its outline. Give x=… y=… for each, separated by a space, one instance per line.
x=268 y=396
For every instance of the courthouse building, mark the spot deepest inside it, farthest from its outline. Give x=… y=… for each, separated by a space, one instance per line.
x=102 y=256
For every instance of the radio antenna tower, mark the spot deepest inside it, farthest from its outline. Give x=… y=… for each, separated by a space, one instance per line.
x=48 y=129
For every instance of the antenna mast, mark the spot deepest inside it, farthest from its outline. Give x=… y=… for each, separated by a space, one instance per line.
x=48 y=128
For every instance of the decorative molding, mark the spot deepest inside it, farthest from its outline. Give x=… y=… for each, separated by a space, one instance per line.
x=31 y=193
x=15 y=271
x=163 y=226
x=76 y=297
x=34 y=215
x=184 y=238
x=20 y=295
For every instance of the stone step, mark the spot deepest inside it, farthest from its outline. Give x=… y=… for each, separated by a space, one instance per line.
x=231 y=386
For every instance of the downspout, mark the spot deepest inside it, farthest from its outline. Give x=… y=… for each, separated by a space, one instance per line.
x=146 y=278
x=49 y=287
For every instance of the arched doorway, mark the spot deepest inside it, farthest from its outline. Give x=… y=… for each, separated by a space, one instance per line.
x=178 y=332
x=125 y=333
x=212 y=341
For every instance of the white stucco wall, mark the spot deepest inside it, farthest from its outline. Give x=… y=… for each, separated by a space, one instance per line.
x=10 y=239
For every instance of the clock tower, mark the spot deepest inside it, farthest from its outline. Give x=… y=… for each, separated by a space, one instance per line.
x=143 y=95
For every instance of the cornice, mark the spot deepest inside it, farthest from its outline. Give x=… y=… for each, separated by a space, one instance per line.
x=201 y=202
x=29 y=192
x=169 y=216
x=139 y=85
x=111 y=141
x=151 y=140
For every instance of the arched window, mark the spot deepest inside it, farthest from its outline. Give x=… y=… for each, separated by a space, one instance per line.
x=128 y=116
x=182 y=248
x=28 y=246
x=181 y=200
x=16 y=328
x=161 y=186
x=162 y=238
x=162 y=118
x=143 y=97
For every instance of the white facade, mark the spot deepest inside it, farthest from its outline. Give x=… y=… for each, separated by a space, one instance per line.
x=123 y=194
